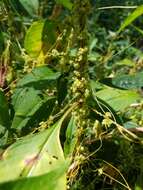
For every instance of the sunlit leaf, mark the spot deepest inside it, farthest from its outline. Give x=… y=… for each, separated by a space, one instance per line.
x=33 y=38
x=53 y=180
x=33 y=155
x=118 y=99
x=39 y=36
x=138 y=12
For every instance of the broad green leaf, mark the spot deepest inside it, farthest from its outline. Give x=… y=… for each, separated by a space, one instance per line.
x=138 y=12
x=33 y=155
x=54 y=180
x=65 y=3
x=26 y=102
x=71 y=138
x=129 y=81
x=40 y=78
x=39 y=37
x=4 y=113
x=33 y=39
x=31 y=6
x=118 y=99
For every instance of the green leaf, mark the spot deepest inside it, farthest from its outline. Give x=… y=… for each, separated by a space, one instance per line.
x=138 y=12
x=26 y=102
x=33 y=38
x=28 y=99
x=53 y=180
x=39 y=78
x=71 y=138
x=118 y=99
x=4 y=112
x=39 y=37
x=129 y=81
x=65 y=3
x=31 y=6
x=33 y=155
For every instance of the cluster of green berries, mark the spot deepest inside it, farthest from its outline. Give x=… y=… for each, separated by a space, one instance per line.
x=80 y=84
x=80 y=89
